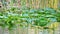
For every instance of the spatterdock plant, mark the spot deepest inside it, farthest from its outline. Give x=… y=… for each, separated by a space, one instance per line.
x=40 y=17
x=45 y=17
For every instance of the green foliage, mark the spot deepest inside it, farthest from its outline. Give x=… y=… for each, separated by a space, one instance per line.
x=41 y=21
x=13 y=16
x=58 y=16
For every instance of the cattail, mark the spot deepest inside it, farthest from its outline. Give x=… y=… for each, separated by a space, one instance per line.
x=0 y=4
